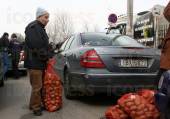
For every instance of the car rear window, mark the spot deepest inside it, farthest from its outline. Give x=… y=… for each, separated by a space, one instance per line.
x=96 y=40
x=109 y=40
x=125 y=41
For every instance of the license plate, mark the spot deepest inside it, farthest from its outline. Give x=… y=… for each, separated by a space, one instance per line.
x=134 y=63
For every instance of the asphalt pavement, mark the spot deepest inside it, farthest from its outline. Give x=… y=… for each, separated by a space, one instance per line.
x=14 y=100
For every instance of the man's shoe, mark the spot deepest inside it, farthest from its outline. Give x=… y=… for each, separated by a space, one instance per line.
x=30 y=108
x=43 y=108
x=37 y=113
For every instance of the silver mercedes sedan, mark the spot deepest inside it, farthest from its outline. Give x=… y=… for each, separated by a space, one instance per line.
x=91 y=63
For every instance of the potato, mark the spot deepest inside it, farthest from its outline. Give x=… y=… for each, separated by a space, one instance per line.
x=145 y=109
x=132 y=108
x=151 y=107
x=149 y=114
x=133 y=113
x=140 y=113
x=143 y=117
x=129 y=104
x=141 y=107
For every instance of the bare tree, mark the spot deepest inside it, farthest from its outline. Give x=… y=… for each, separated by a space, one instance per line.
x=61 y=27
x=90 y=27
x=20 y=37
x=96 y=28
x=86 y=27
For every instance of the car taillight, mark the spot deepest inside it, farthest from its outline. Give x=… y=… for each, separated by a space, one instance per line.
x=22 y=56
x=91 y=59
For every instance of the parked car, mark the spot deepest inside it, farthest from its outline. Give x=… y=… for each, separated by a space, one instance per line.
x=20 y=65
x=106 y=63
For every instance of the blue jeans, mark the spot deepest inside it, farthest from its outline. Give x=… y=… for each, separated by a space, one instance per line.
x=5 y=62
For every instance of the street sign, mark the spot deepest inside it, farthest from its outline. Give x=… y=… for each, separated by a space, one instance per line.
x=144 y=29
x=112 y=18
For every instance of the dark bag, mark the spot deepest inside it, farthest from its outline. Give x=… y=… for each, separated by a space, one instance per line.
x=162 y=97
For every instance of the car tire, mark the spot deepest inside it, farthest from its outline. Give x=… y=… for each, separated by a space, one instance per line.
x=24 y=73
x=68 y=93
x=1 y=82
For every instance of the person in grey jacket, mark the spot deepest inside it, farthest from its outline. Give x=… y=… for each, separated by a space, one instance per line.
x=36 y=56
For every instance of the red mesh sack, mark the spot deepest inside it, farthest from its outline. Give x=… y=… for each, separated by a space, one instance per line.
x=137 y=107
x=52 y=88
x=148 y=95
x=115 y=113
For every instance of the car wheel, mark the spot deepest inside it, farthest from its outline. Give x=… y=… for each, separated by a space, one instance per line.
x=1 y=82
x=24 y=73
x=69 y=94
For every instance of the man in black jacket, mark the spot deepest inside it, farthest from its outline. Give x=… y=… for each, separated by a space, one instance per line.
x=36 y=50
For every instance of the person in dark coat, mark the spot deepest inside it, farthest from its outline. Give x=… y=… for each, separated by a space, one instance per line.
x=4 y=46
x=165 y=55
x=36 y=56
x=15 y=49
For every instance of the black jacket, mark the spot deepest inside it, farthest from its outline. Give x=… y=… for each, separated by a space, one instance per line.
x=4 y=44
x=36 y=46
x=15 y=46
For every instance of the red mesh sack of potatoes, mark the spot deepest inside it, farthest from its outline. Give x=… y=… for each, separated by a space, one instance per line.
x=115 y=113
x=137 y=107
x=52 y=89
x=152 y=112
x=149 y=111
x=130 y=102
x=148 y=95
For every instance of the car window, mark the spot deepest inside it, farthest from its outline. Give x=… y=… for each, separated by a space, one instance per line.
x=74 y=43
x=96 y=40
x=63 y=46
x=69 y=43
x=126 y=41
x=109 y=40
x=115 y=31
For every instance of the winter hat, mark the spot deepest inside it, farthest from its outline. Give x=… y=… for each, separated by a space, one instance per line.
x=40 y=12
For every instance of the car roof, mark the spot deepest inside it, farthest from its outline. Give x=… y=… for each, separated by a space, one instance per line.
x=102 y=34
x=99 y=33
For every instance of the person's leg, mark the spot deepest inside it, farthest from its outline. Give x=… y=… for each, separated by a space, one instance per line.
x=162 y=116
x=36 y=83
x=14 y=68
x=168 y=112
x=166 y=116
x=15 y=62
x=5 y=63
x=161 y=71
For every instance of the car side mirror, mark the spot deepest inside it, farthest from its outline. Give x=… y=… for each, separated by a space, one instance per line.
x=57 y=51
x=58 y=48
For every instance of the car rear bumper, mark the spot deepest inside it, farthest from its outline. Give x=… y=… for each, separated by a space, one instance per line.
x=113 y=82
x=20 y=66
